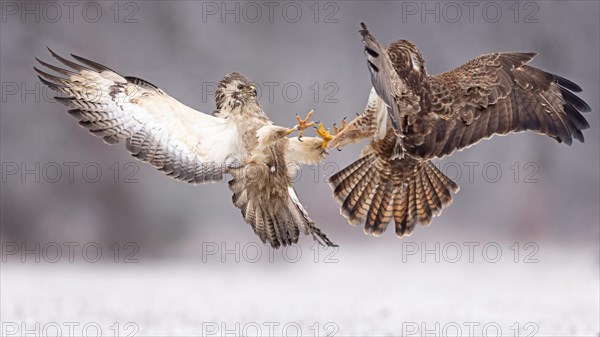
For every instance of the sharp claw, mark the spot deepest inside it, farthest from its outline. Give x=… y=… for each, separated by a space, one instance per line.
x=337 y=130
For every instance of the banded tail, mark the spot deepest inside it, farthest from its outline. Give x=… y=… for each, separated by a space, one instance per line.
x=374 y=190
x=278 y=218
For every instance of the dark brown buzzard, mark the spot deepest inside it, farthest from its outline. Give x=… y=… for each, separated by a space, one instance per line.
x=412 y=117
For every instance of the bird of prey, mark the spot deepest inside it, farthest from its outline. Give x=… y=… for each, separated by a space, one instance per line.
x=412 y=118
x=237 y=139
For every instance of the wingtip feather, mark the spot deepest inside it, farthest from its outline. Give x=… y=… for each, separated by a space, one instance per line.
x=95 y=65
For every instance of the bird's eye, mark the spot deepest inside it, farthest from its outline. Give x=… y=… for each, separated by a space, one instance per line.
x=240 y=86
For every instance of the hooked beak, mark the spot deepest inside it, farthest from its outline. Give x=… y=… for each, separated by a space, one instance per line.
x=251 y=90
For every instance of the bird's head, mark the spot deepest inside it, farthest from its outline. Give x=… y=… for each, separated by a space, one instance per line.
x=406 y=58
x=234 y=90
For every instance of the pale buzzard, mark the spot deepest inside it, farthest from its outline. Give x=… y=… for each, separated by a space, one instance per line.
x=412 y=117
x=238 y=139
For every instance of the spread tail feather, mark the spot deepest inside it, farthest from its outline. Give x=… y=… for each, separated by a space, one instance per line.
x=277 y=222
x=374 y=191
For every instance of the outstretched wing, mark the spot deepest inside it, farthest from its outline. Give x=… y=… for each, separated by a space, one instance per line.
x=385 y=80
x=184 y=143
x=493 y=94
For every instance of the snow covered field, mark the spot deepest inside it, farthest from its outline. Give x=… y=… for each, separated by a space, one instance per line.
x=343 y=293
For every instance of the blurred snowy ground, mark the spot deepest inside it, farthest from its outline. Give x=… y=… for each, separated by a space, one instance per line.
x=343 y=293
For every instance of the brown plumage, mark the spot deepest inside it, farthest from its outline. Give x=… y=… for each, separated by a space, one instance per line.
x=412 y=118
x=238 y=139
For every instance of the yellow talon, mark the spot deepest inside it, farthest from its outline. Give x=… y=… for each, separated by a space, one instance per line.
x=324 y=134
x=304 y=124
